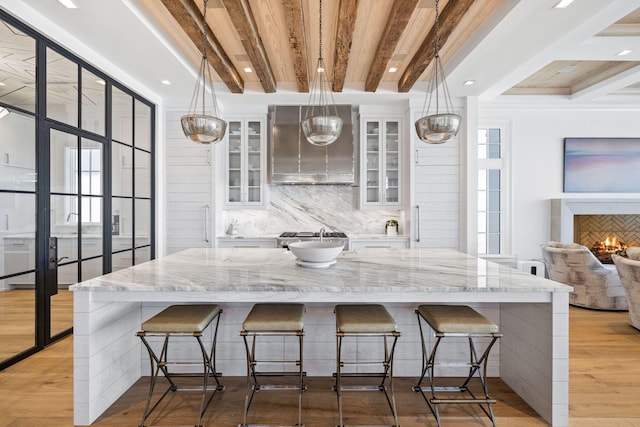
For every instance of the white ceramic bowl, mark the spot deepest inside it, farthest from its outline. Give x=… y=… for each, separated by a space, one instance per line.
x=315 y=251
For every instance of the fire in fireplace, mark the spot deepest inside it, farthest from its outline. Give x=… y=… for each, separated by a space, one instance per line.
x=604 y=249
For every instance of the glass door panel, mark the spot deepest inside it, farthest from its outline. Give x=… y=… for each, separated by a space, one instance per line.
x=62 y=84
x=142 y=174
x=93 y=103
x=142 y=126
x=121 y=163
x=18 y=151
x=142 y=222
x=121 y=116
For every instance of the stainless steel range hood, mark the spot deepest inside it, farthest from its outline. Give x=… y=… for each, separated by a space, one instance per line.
x=296 y=161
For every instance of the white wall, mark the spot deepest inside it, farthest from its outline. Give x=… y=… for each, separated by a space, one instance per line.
x=537 y=139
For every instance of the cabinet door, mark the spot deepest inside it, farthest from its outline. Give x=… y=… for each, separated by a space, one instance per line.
x=391 y=162
x=372 y=162
x=254 y=168
x=246 y=163
x=381 y=181
x=234 y=163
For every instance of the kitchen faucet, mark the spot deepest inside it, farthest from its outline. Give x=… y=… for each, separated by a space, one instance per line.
x=321 y=233
x=69 y=216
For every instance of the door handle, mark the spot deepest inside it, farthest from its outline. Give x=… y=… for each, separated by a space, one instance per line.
x=417 y=223
x=53 y=253
x=207 y=210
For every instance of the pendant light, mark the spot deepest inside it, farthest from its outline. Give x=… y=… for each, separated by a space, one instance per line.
x=198 y=125
x=443 y=125
x=321 y=124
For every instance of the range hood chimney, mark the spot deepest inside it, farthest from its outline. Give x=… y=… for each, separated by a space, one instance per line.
x=296 y=161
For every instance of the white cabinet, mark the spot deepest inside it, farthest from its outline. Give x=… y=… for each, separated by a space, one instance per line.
x=189 y=189
x=380 y=178
x=246 y=163
x=381 y=243
x=250 y=242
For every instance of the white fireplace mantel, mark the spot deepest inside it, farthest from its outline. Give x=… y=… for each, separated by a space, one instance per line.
x=563 y=211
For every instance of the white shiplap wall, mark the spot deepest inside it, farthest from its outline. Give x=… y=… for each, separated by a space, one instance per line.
x=189 y=189
x=437 y=193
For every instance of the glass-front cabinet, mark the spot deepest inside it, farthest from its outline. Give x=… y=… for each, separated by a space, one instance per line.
x=380 y=162
x=246 y=162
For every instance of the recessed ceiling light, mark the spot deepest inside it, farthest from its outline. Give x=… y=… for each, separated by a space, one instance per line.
x=165 y=82
x=101 y=82
x=469 y=82
x=68 y=4
x=248 y=70
x=624 y=52
x=2 y=84
x=393 y=69
x=562 y=4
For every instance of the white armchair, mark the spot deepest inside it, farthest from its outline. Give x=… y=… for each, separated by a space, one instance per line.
x=594 y=285
x=629 y=271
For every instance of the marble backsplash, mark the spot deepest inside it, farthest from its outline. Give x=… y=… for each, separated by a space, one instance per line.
x=309 y=208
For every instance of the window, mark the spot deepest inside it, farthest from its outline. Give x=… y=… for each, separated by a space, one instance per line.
x=491 y=191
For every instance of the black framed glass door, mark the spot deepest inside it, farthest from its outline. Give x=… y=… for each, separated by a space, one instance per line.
x=76 y=184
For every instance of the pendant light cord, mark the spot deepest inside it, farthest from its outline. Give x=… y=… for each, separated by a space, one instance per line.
x=320 y=31
x=204 y=56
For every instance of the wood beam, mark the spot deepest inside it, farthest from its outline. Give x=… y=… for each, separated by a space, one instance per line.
x=396 y=24
x=189 y=17
x=347 y=13
x=242 y=18
x=450 y=17
x=297 y=43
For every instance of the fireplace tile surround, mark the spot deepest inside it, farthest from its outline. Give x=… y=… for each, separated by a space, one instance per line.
x=564 y=211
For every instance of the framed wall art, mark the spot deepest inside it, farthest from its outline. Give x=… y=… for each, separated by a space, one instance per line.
x=602 y=165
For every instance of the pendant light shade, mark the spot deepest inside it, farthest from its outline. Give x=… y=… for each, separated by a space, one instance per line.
x=321 y=124
x=439 y=123
x=198 y=125
x=438 y=128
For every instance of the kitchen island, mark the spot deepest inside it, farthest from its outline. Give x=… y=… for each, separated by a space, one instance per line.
x=532 y=312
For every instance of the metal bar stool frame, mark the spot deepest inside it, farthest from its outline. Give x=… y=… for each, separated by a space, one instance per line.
x=159 y=363
x=387 y=373
x=476 y=365
x=253 y=384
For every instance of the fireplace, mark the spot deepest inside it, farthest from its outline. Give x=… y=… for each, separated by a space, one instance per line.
x=607 y=234
x=591 y=221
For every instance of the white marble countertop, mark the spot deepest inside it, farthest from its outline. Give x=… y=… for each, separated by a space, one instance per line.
x=361 y=271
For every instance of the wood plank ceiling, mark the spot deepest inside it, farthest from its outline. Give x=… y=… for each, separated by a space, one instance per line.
x=362 y=39
x=368 y=45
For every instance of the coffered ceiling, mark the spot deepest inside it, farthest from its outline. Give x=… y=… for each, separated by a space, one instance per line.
x=506 y=47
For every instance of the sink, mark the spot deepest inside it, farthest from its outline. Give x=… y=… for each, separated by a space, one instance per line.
x=315 y=251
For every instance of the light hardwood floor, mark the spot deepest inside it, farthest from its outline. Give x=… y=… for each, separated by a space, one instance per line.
x=604 y=391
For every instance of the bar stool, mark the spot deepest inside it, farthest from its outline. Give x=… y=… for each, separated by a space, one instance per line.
x=456 y=321
x=185 y=321
x=273 y=319
x=366 y=320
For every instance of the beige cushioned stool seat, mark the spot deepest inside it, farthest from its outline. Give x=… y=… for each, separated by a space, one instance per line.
x=182 y=319
x=275 y=317
x=457 y=319
x=364 y=318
